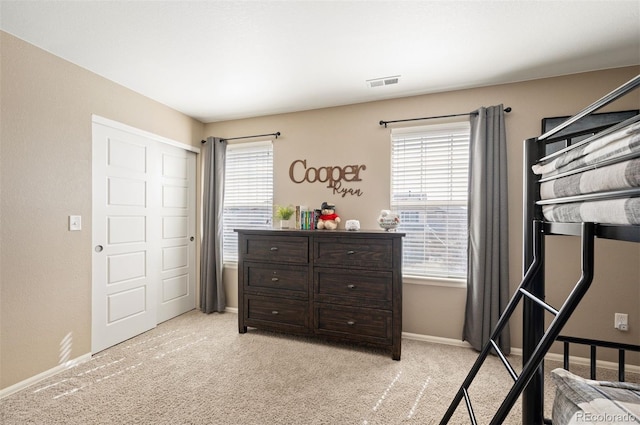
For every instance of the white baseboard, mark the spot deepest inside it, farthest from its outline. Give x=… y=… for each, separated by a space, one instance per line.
x=436 y=339
x=573 y=360
x=42 y=376
x=231 y=310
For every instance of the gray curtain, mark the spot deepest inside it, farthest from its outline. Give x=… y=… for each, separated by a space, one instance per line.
x=212 y=296
x=488 y=250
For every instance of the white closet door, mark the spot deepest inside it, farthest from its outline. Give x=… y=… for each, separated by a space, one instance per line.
x=143 y=266
x=177 y=210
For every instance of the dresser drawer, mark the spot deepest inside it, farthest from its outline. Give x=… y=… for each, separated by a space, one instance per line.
x=286 y=249
x=353 y=287
x=358 y=324
x=276 y=279
x=276 y=313
x=345 y=252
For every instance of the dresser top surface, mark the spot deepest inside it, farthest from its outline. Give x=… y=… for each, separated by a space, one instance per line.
x=322 y=233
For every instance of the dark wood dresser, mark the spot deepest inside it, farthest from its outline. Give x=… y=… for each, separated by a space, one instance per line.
x=335 y=284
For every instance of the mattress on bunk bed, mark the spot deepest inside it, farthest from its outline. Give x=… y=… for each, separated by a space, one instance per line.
x=585 y=401
x=594 y=179
x=612 y=211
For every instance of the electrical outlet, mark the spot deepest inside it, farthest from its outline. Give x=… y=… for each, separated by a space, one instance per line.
x=621 y=321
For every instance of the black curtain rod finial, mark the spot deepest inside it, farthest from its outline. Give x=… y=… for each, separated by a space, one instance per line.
x=203 y=141
x=507 y=109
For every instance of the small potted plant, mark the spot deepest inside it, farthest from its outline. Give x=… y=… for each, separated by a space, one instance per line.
x=284 y=213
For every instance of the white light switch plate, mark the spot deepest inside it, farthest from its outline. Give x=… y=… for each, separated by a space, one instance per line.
x=75 y=222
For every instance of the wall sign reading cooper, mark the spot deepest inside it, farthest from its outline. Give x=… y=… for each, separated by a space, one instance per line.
x=333 y=175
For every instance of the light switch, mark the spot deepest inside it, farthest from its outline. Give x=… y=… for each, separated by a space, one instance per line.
x=75 y=222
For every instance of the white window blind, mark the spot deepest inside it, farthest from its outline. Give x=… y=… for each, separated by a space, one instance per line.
x=429 y=189
x=248 y=192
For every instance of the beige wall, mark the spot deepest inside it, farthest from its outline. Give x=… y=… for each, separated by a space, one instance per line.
x=45 y=169
x=351 y=135
x=45 y=175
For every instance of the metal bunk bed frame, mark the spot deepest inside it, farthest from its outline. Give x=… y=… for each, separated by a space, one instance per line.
x=536 y=340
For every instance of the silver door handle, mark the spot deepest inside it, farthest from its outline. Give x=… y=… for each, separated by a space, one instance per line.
x=98 y=248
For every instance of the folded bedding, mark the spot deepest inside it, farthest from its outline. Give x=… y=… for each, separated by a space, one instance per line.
x=584 y=401
x=589 y=177
x=617 y=144
x=622 y=175
x=611 y=211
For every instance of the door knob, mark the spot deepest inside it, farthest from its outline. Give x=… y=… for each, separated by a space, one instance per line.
x=99 y=248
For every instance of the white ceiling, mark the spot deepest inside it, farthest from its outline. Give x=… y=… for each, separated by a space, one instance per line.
x=221 y=60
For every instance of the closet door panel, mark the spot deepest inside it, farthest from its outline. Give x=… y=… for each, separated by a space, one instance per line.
x=177 y=213
x=123 y=257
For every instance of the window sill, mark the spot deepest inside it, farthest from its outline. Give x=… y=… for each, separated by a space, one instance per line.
x=435 y=281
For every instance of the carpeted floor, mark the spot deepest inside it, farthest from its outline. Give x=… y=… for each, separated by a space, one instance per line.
x=197 y=369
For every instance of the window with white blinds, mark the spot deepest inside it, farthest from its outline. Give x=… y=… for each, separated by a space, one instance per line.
x=248 y=192
x=429 y=190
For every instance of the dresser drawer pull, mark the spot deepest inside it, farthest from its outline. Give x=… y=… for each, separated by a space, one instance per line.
x=274 y=279
x=351 y=286
x=274 y=312
x=351 y=252
x=351 y=323
x=274 y=248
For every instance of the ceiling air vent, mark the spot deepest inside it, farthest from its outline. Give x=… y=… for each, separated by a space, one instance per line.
x=385 y=81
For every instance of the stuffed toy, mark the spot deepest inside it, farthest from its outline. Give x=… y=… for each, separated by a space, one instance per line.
x=328 y=218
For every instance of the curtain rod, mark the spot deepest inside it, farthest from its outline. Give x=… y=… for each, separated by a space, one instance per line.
x=507 y=109
x=277 y=133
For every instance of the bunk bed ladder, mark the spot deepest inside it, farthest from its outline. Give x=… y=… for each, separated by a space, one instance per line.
x=561 y=317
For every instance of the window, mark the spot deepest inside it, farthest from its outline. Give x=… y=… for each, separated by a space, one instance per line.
x=248 y=192
x=429 y=185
